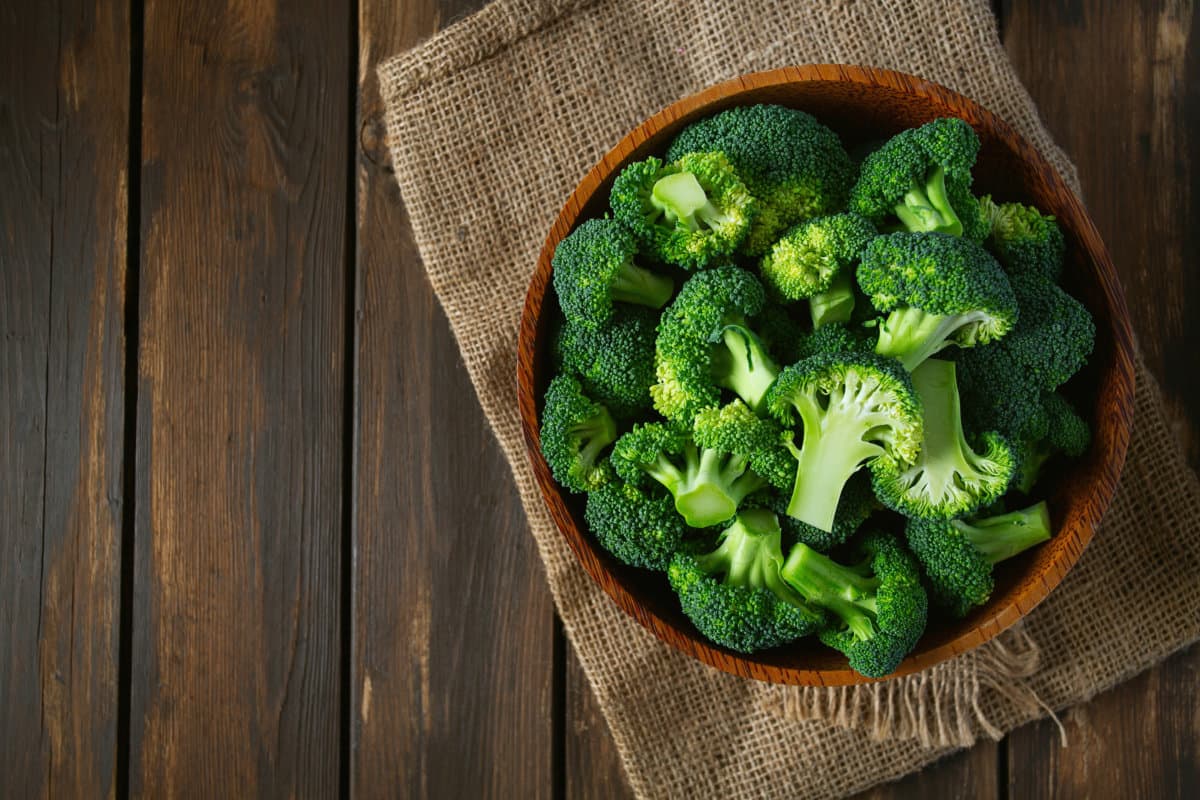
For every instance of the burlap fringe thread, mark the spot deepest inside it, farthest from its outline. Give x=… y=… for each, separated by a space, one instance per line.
x=940 y=707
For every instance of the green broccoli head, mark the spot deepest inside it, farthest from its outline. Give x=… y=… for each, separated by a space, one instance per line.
x=809 y=256
x=921 y=177
x=782 y=335
x=1024 y=240
x=937 y=290
x=594 y=268
x=615 y=362
x=1066 y=433
x=854 y=507
x=575 y=433
x=734 y=428
x=793 y=165
x=877 y=606
x=958 y=555
x=707 y=483
x=949 y=478
x=705 y=344
x=639 y=526
x=834 y=338
x=691 y=212
x=734 y=595
x=853 y=408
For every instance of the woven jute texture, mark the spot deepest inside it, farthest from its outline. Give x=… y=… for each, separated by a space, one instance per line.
x=491 y=124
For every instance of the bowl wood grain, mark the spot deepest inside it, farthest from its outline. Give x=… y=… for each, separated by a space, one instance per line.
x=864 y=105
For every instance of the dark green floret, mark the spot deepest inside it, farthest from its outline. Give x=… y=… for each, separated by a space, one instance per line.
x=575 y=433
x=595 y=267
x=958 y=555
x=734 y=594
x=920 y=179
x=877 y=605
x=853 y=408
x=705 y=344
x=1066 y=433
x=782 y=335
x=615 y=362
x=734 y=428
x=707 y=483
x=793 y=165
x=1024 y=239
x=937 y=291
x=639 y=526
x=834 y=338
x=949 y=478
x=855 y=506
x=691 y=212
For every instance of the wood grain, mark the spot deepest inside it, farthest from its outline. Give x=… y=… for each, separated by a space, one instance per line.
x=453 y=668
x=592 y=769
x=236 y=610
x=64 y=116
x=1135 y=136
x=859 y=103
x=965 y=774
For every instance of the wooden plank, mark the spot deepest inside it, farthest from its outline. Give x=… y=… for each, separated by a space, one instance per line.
x=1119 y=86
x=592 y=767
x=968 y=773
x=453 y=668
x=239 y=522
x=64 y=116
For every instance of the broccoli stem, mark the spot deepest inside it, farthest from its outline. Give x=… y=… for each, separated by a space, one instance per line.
x=682 y=200
x=927 y=208
x=741 y=555
x=912 y=335
x=639 y=286
x=944 y=452
x=843 y=590
x=1005 y=535
x=712 y=485
x=743 y=366
x=833 y=449
x=836 y=303
x=595 y=434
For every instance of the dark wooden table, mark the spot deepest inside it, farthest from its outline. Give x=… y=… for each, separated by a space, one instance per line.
x=257 y=539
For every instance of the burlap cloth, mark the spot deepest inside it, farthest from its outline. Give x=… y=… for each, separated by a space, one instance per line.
x=491 y=124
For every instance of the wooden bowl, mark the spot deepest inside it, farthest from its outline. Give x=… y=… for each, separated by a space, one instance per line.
x=862 y=105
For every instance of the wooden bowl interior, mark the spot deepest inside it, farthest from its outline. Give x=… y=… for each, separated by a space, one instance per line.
x=864 y=107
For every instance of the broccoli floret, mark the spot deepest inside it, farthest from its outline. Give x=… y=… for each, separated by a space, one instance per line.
x=708 y=484
x=705 y=344
x=594 y=267
x=781 y=335
x=794 y=165
x=921 y=177
x=854 y=408
x=937 y=290
x=638 y=526
x=1066 y=433
x=734 y=428
x=809 y=256
x=855 y=506
x=734 y=594
x=691 y=212
x=958 y=555
x=1024 y=240
x=835 y=304
x=615 y=362
x=949 y=478
x=878 y=604
x=575 y=432
x=834 y=338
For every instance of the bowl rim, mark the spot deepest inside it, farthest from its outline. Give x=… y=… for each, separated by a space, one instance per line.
x=1121 y=378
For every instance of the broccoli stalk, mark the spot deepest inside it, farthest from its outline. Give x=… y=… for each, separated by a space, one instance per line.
x=913 y=335
x=836 y=303
x=749 y=554
x=948 y=479
x=847 y=591
x=853 y=408
x=682 y=201
x=640 y=287
x=1005 y=535
x=927 y=208
x=742 y=365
